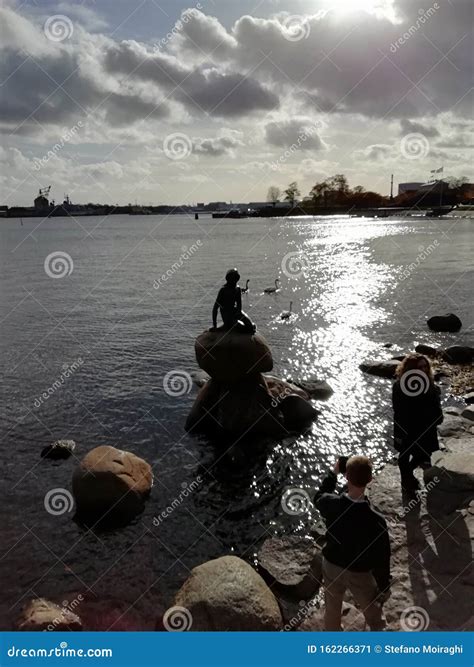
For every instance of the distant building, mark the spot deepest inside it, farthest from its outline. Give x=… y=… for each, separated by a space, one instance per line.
x=41 y=202
x=409 y=187
x=200 y=204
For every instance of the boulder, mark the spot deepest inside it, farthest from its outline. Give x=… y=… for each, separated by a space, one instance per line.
x=449 y=322
x=41 y=614
x=469 y=397
x=227 y=594
x=61 y=449
x=111 y=482
x=297 y=413
x=385 y=369
x=230 y=356
x=458 y=354
x=318 y=389
x=427 y=350
x=468 y=413
x=280 y=388
x=242 y=407
x=453 y=470
x=199 y=378
x=293 y=565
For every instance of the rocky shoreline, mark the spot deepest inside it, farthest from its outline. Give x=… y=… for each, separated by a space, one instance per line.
x=431 y=533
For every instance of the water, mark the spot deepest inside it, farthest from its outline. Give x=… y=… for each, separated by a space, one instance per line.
x=355 y=294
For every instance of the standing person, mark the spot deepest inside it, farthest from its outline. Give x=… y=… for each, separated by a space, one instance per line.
x=416 y=414
x=357 y=551
x=229 y=302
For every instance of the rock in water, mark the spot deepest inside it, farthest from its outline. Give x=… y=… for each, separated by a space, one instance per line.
x=458 y=354
x=231 y=356
x=427 y=350
x=41 y=614
x=110 y=483
x=297 y=413
x=318 y=389
x=449 y=322
x=385 y=369
x=61 y=449
x=293 y=564
x=280 y=388
x=227 y=594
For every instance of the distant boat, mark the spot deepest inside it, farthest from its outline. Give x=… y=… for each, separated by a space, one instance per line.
x=438 y=211
x=233 y=213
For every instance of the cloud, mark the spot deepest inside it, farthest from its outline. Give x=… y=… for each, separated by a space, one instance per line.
x=409 y=126
x=223 y=145
x=375 y=152
x=301 y=132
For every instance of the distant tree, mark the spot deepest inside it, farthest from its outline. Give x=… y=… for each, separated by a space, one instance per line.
x=457 y=182
x=273 y=194
x=292 y=192
x=318 y=192
x=358 y=190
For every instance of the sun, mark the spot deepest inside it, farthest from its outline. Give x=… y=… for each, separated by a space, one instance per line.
x=377 y=7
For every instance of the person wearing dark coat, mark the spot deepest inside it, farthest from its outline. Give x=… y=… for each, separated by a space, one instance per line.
x=416 y=414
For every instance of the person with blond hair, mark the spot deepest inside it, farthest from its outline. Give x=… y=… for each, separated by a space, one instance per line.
x=416 y=414
x=356 y=555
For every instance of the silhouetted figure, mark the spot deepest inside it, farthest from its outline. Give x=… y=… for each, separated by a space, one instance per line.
x=229 y=302
x=416 y=414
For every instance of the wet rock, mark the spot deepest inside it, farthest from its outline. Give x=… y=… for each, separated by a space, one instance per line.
x=41 y=614
x=458 y=354
x=453 y=469
x=452 y=425
x=449 y=322
x=387 y=345
x=111 y=482
x=384 y=369
x=317 y=389
x=293 y=565
x=469 y=397
x=199 y=378
x=280 y=388
x=427 y=350
x=352 y=620
x=227 y=594
x=468 y=413
x=231 y=356
x=61 y=449
x=298 y=414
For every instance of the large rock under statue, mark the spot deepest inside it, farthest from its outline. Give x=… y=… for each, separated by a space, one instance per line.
x=238 y=400
x=231 y=355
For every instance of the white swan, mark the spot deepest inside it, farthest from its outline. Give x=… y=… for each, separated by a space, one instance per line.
x=271 y=290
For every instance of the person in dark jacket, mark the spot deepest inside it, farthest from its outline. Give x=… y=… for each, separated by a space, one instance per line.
x=357 y=551
x=416 y=414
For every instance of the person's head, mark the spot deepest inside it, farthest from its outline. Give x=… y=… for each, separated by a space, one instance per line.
x=358 y=472
x=415 y=362
x=232 y=277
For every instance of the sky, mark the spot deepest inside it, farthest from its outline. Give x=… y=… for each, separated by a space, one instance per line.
x=169 y=102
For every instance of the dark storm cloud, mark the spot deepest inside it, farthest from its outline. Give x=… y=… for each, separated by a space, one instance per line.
x=408 y=126
x=300 y=132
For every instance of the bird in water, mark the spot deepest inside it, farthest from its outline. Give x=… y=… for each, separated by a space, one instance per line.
x=272 y=290
x=245 y=289
x=286 y=314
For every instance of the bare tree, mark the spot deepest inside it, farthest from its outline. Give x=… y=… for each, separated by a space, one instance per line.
x=273 y=194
